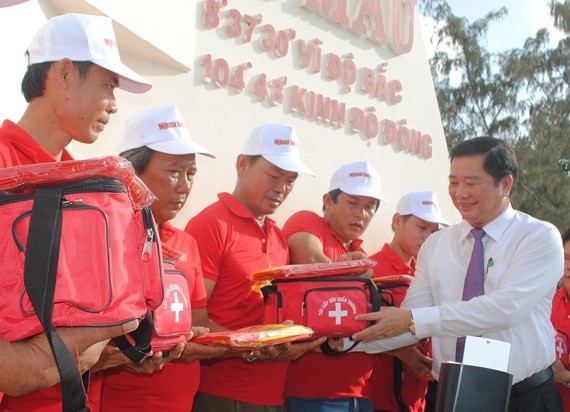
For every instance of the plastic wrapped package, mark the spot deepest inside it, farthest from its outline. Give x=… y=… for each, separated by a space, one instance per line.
x=393 y=281
x=256 y=336
x=24 y=179
x=307 y=270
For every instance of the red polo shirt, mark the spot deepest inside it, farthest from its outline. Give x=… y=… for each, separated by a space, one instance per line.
x=172 y=388
x=381 y=386
x=315 y=375
x=232 y=245
x=560 y=318
x=18 y=148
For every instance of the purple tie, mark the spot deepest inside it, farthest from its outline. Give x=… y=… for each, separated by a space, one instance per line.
x=474 y=280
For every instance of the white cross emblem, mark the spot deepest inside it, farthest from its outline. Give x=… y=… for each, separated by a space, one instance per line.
x=338 y=314
x=176 y=307
x=559 y=349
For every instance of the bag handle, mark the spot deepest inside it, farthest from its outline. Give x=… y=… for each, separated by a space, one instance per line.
x=40 y=272
x=327 y=350
x=142 y=336
x=375 y=296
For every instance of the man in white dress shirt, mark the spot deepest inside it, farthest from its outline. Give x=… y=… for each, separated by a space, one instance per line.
x=523 y=259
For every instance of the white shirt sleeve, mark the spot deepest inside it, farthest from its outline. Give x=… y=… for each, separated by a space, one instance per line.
x=524 y=272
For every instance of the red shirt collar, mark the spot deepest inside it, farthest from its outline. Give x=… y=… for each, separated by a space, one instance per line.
x=26 y=145
x=238 y=209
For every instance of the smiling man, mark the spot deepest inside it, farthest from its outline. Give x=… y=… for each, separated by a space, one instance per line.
x=492 y=275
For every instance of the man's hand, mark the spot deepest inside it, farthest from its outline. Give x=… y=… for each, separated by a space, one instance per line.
x=561 y=375
x=417 y=361
x=111 y=357
x=389 y=322
x=284 y=352
x=88 y=342
x=334 y=344
x=155 y=362
x=28 y=365
x=197 y=351
x=356 y=255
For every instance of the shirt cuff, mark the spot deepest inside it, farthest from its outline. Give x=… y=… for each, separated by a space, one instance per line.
x=427 y=321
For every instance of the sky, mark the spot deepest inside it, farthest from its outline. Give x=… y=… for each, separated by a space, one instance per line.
x=524 y=19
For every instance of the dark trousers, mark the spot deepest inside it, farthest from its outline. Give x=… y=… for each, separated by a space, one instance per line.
x=204 y=402
x=543 y=398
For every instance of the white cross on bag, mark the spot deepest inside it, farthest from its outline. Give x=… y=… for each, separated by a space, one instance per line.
x=176 y=307
x=338 y=314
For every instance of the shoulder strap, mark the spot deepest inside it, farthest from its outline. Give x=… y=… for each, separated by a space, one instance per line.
x=397 y=384
x=40 y=272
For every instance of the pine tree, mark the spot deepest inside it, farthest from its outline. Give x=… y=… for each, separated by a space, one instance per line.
x=520 y=95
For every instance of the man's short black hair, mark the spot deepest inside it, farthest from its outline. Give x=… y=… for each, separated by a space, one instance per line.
x=34 y=81
x=334 y=194
x=566 y=236
x=139 y=158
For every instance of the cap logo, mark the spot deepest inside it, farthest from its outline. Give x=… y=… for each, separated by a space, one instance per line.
x=110 y=43
x=360 y=174
x=280 y=142
x=170 y=125
x=427 y=203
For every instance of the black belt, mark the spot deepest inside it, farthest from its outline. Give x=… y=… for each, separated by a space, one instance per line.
x=532 y=381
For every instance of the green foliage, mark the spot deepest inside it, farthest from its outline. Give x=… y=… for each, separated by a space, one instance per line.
x=520 y=95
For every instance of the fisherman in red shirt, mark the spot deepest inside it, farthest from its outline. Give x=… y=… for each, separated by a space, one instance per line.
x=317 y=382
x=399 y=381
x=69 y=87
x=165 y=159
x=561 y=320
x=236 y=237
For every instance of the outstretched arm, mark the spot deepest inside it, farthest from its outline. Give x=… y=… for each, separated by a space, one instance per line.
x=29 y=365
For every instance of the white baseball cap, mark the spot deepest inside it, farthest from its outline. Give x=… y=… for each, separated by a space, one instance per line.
x=357 y=179
x=161 y=128
x=422 y=204
x=8 y=3
x=277 y=143
x=83 y=37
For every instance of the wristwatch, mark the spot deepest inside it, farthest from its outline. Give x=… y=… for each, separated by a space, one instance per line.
x=412 y=325
x=567 y=384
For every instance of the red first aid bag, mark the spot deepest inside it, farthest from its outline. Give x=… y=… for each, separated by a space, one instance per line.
x=173 y=318
x=166 y=326
x=327 y=305
x=79 y=248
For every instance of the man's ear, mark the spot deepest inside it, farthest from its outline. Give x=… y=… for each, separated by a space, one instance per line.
x=396 y=218
x=327 y=201
x=62 y=70
x=506 y=184
x=241 y=164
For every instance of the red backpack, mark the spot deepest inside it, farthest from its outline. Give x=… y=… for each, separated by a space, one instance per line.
x=80 y=248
